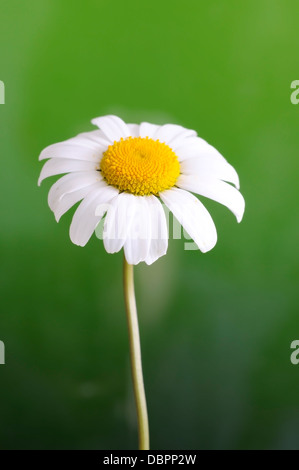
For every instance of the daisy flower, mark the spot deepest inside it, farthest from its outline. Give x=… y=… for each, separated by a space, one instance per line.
x=125 y=172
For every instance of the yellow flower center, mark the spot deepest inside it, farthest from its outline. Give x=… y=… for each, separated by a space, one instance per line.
x=140 y=166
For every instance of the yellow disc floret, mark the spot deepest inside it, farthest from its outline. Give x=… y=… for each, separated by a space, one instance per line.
x=140 y=165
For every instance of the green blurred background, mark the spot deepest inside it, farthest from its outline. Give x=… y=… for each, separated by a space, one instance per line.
x=216 y=328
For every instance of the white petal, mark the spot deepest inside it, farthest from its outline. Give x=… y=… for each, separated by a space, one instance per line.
x=134 y=129
x=87 y=146
x=125 y=217
x=147 y=130
x=193 y=216
x=64 y=150
x=138 y=231
x=93 y=137
x=194 y=146
x=113 y=127
x=173 y=135
x=70 y=199
x=90 y=212
x=117 y=221
x=207 y=166
x=215 y=189
x=56 y=166
x=159 y=232
x=70 y=183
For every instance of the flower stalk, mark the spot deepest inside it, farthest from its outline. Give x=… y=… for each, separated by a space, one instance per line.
x=135 y=355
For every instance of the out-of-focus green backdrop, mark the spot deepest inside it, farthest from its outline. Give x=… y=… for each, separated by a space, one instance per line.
x=216 y=328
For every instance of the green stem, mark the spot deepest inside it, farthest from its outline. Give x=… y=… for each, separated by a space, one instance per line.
x=135 y=354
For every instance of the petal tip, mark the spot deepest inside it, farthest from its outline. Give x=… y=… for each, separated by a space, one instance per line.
x=240 y=215
x=57 y=217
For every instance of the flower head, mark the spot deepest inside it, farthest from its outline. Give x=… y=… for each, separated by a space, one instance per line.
x=124 y=172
